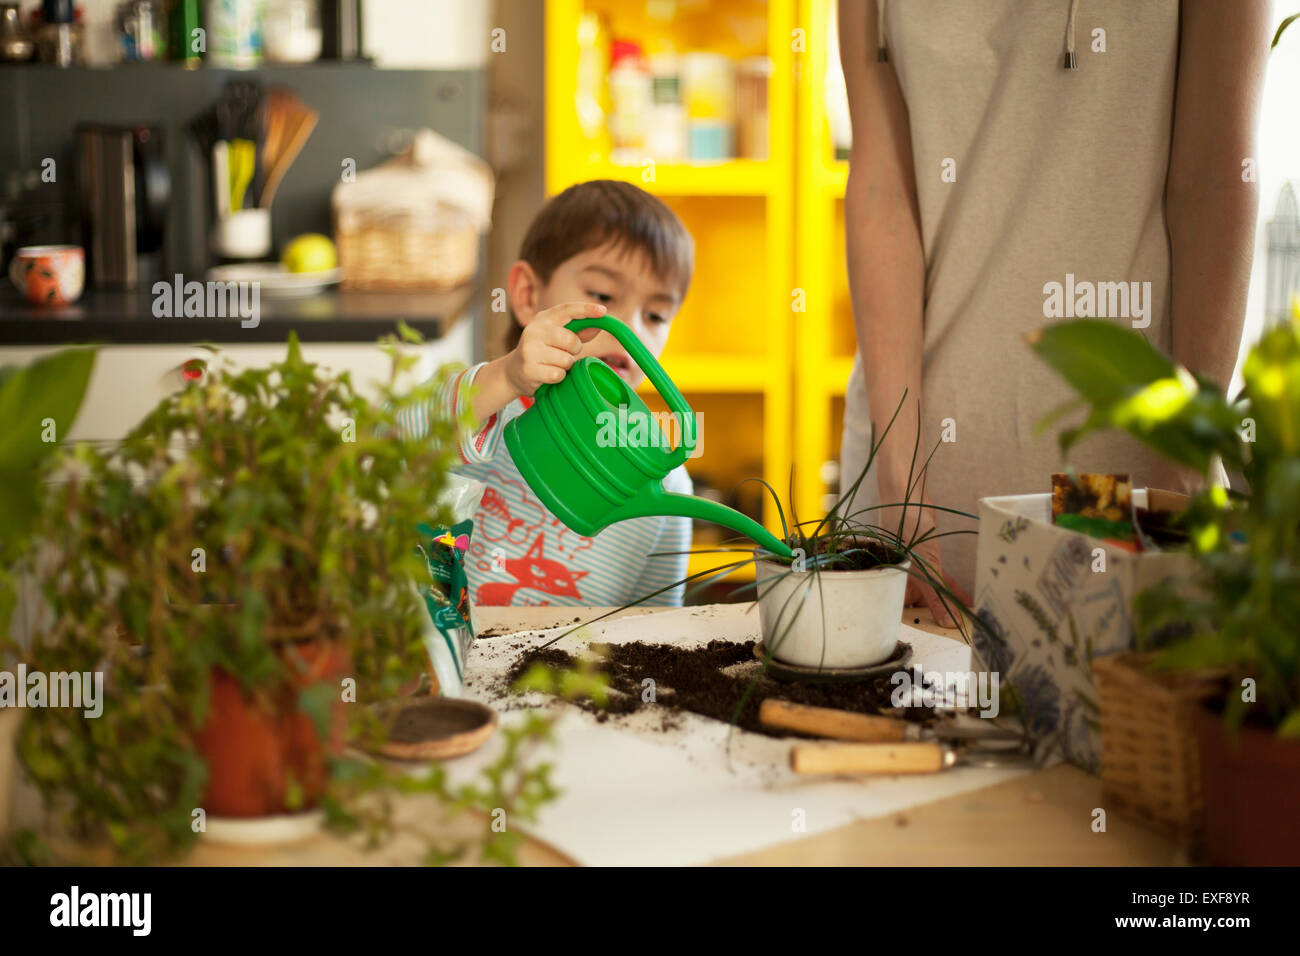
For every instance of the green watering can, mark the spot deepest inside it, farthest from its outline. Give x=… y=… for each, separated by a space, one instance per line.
x=572 y=447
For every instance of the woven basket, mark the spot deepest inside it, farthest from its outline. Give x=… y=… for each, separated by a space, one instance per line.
x=391 y=257
x=414 y=222
x=1150 y=768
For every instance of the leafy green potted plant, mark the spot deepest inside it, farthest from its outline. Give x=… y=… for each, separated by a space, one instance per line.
x=242 y=570
x=1242 y=617
x=38 y=404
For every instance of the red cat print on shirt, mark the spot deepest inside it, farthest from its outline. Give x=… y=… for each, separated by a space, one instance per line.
x=533 y=571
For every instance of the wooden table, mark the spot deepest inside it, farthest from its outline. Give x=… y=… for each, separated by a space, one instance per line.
x=1038 y=819
x=1043 y=818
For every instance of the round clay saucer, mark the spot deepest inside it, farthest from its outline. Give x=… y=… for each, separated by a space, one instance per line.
x=435 y=728
x=780 y=670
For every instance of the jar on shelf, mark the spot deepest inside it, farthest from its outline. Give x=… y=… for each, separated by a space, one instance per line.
x=235 y=33
x=629 y=97
x=751 y=107
x=666 y=123
x=141 y=31
x=709 y=90
x=293 y=31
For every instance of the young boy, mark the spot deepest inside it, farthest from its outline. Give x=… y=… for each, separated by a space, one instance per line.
x=597 y=247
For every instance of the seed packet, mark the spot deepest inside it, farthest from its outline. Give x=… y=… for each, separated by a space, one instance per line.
x=449 y=628
x=1097 y=505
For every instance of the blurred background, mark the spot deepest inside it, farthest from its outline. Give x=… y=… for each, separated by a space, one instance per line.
x=377 y=160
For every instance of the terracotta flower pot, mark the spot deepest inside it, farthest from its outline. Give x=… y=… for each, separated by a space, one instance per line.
x=253 y=751
x=1249 y=786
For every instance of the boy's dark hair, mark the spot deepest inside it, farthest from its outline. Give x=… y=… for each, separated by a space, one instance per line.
x=592 y=214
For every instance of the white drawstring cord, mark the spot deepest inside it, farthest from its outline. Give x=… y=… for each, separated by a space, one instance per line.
x=882 y=50
x=1071 y=61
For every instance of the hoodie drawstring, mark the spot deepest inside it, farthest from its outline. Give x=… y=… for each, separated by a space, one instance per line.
x=882 y=50
x=1071 y=61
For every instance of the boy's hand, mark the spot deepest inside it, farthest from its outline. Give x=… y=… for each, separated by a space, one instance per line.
x=546 y=349
x=544 y=355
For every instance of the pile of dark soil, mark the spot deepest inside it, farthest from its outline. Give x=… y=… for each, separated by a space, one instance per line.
x=711 y=681
x=850 y=554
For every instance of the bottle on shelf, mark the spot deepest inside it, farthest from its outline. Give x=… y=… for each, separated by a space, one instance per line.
x=666 y=123
x=629 y=97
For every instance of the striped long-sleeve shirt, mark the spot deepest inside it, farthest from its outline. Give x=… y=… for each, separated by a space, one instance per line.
x=520 y=553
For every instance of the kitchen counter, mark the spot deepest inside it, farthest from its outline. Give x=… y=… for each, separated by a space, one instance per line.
x=127 y=318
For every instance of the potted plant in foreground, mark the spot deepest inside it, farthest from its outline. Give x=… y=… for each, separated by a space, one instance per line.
x=241 y=569
x=38 y=404
x=1242 y=618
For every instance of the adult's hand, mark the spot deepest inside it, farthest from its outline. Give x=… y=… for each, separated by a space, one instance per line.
x=921 y=594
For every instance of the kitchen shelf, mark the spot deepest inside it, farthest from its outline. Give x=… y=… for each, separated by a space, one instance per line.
x=126 y=318
x=821 y=368
x=732 y=352
x=735 y=177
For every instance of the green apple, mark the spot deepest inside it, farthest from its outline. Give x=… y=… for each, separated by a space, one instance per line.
x=310 y=252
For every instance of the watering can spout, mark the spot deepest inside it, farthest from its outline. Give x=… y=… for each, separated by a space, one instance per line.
x=655 y=501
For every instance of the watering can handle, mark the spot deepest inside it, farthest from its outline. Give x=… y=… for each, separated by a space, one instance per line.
x=655 y=373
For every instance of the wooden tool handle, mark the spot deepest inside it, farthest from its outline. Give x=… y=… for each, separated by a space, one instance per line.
x=824 y=722
x=926 y=757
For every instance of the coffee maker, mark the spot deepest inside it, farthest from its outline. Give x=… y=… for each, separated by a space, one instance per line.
x=123 y=189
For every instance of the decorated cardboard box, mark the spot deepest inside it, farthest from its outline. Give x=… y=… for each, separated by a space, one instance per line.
x=1049 y=600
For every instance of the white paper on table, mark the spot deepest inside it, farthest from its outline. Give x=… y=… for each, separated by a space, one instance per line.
x=634 y=794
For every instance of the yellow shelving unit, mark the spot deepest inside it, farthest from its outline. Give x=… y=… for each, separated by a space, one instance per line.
x=730 y=347
x=824 y=338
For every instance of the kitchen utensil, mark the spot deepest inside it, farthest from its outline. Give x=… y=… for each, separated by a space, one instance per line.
x=868 y=728
x=895 y=758
x=290 y=123
x=123 y=187
x=243 y=156
x=221 y=178
x=560 y=445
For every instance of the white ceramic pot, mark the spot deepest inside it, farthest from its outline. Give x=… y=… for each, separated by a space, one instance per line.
x=831 y=619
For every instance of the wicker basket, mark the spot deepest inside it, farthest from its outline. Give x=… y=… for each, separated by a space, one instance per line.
x=1150 y=769
x=394 y=255
x=415 y=221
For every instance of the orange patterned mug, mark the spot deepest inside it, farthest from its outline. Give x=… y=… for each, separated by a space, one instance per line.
x=49 y=275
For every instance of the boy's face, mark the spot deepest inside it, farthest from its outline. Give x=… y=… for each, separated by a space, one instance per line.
x=622 y=281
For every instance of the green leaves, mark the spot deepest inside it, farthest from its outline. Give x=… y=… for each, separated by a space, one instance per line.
x=304 y=522
x=1243 y=616
x=1128 y=384
x=37 y=406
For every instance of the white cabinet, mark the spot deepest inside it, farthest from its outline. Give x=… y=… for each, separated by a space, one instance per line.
x=129 y=380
